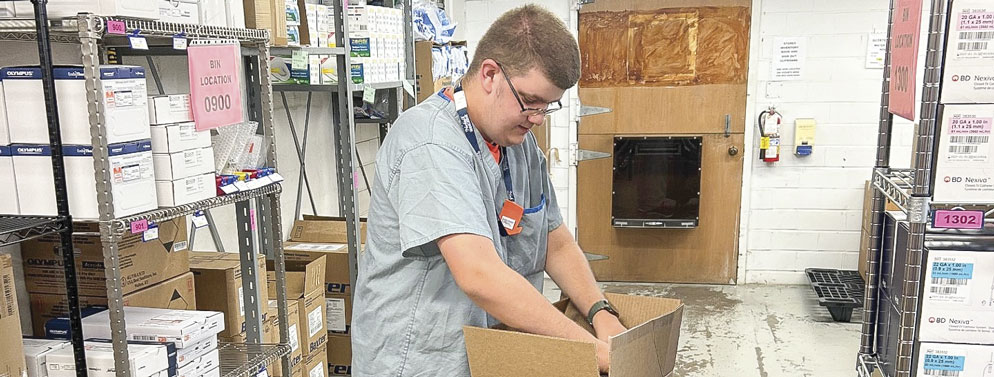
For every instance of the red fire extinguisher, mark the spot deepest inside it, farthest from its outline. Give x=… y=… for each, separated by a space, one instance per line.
x=769 y=135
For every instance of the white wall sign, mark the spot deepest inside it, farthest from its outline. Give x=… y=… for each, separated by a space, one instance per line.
x=876 y=50
x=788 y=58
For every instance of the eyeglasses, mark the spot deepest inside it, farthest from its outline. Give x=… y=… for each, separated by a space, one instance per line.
x=526 y=111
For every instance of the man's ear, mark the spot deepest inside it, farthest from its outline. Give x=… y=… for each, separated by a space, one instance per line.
x=488 y=75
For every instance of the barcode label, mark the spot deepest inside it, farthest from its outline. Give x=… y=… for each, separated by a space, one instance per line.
x=944 y=373
x=963 y=149
x=147 y=338
x=969 y=139
x=8 y=297
x=972 y=46
x=944 y=290
x=976 y=35
x=948 y=281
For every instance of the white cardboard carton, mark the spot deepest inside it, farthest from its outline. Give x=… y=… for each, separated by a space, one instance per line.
x=177 y=137
x=80 y=181
x=179 y=11
x=228 y=13
x=969 y=65
x=965 y=360
x=74 y=117
x=145 y=360
x=125 y=103
x=216 y=372
x=186 y=190
x=200 y=366
x=4 y=132
x=36 y=352
x=183 y=327
x=187 y=355
x=964 y=172
x=958 y=302
x=173 y=108
x=9 y=191
x=128 y=8
x=29 y=123
x=173 y=166
x=34 y=179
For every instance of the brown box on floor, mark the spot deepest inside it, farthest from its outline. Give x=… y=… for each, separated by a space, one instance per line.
x=175 y=293
x=648 y=348
x=339 y=355
x=269 y=15
x=219 y=282
x=12 y=357
x=143 y=264
x=864 y=237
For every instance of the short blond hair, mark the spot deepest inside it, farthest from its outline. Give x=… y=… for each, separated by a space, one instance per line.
x=530 y=37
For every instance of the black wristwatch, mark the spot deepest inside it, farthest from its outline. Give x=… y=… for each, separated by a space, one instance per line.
x=598 y=306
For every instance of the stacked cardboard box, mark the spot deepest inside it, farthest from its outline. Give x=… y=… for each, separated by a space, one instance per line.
x=269 y=15
x=376 y=39
x=314 y=237
x=305 y=291
x=219 y=288
x=12 y=357
x=154 y=272
x=864 y=239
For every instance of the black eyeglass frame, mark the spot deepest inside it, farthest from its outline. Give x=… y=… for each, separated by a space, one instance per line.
x=527 y=111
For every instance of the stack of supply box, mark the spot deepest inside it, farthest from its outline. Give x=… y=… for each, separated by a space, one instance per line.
x=219 y=288
x=155 y=272
x=193 y=334
x=183 y=157
x=36 y=353
x=315 y=237
x=11 y=359
x=376 y=38
x=305 y=296
x=146 y=360
x=126 y=132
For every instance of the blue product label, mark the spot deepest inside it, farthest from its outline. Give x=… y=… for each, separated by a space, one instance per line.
x=31 y=150
x=944 y=362
x=357 y=73
x=77 y=150
x=129 y=147
x=69 y=73
x=360 y=47
x=20 y=73
x=952 y=270
x=122 y=72
x=5 y=150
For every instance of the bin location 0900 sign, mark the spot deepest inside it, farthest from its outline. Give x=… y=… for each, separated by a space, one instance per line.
x=215 y=90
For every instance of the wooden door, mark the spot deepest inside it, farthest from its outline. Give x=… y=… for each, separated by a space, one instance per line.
x=665 y=68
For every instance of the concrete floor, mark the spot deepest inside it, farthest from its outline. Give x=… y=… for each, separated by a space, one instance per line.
x=753 y=330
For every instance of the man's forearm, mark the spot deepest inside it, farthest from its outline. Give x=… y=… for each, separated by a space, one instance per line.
x=568 y=267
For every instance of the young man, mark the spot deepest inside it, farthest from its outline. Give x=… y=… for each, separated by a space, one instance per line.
x=463 y=221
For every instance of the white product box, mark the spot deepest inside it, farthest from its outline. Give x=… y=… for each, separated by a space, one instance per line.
x=127 y=8
x=182 y=327
x=228 y=13
x=187 y=355
x=969 y=65
x=216 y=372
x=200 y=366
x=186 y=190
x=8 y=191
x=173 y=166
x=125 y=103
x=965 y=360
x=172 y=138
x=29 y=123
x=964 y=171
x=132 y=174
x=4 y=132
x=958 y=303
x=145 y=360
x=33 y=179
x=180 y=11
x=36 y=352
x=80 y=181
x=173 y=108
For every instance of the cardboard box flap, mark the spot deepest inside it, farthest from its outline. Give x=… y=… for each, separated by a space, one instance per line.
x=489 y=355
x=649 y=349
x=324 y=229
x=302 y=277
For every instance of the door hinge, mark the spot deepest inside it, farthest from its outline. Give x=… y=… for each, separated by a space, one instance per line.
x=576 y=154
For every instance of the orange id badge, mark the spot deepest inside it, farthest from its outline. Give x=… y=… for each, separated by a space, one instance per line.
x=510 y=217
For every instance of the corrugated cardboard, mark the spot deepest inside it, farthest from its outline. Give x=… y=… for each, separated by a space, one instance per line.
x=339 y=355
x=293 y=325
x=143 y=264
x=302 y=277
x=313 y=333
x=45 y=307
x=214 y=270
x=648 y=348
x=269 y=15
x=864 y=238
x=336 y=255
x=316 y=364
x=323 y=230
x=423 y=64
x=12 y=357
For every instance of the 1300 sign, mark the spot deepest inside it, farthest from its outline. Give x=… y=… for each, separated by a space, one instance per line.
x=217 y=103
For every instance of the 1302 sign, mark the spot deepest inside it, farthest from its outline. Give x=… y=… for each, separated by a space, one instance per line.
x=958 y=219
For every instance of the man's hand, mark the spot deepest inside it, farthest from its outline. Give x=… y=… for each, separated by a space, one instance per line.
x=603 y=356
x=607 y=325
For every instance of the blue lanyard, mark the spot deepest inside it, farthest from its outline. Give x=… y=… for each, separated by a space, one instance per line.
x=470 y=131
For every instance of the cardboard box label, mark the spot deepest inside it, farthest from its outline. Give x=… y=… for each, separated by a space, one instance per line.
x=951 y=280
x=316 y=371
x=314 y=321
x=336 y=314
x=963 y=170
x=294 y=341
x=941 y=365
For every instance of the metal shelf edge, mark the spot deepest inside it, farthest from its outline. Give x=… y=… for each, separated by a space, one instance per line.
x=163 y=214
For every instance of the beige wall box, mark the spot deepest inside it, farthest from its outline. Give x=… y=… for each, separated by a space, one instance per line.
x=12 y=357
x=172 y=108
x=654 y=333
x=145 y=361
x=186 y=190
x=172 y=138
x=183 y=164
x=36 y=352
x=183 y=327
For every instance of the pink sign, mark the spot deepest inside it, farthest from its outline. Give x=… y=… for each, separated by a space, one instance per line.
x=904 y=35
x=958 y=219
x=116 y=27
x=139 y=226
x=215 y=88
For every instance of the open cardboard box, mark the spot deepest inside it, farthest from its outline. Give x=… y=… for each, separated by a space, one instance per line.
x=647 y=349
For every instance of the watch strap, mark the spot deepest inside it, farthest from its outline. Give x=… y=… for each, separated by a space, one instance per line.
x=597 y=307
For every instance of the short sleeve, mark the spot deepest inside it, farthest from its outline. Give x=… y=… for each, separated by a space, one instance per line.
x=438 y=193
x=553 y=215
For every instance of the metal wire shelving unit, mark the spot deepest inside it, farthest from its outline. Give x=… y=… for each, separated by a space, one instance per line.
x=257 y=210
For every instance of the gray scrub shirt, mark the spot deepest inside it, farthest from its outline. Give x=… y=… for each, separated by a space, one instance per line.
x=409 y=312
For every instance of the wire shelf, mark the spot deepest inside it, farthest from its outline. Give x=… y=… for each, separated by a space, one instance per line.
x=245 y=360
x=164 y=214
x=308 y=50
x=67 y=30
x=14 y=229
